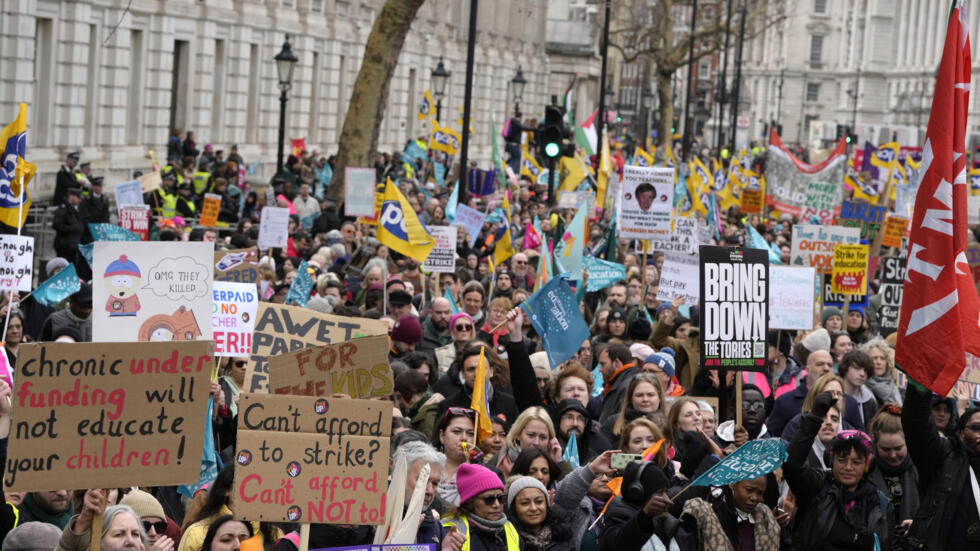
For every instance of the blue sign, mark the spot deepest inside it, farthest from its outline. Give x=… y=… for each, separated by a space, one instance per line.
x=555 y=316
x=754 y=459
x=58 y=287
x=111 y=232
x=602 y=273
x=299 y=291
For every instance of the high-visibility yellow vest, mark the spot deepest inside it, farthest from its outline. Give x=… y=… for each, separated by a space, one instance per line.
x=201 y=181
x=168 y=206
x=463 y=527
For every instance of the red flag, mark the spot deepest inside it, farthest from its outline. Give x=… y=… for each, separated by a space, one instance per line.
x=940 y=314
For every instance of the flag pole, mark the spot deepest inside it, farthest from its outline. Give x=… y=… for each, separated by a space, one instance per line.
x=20 y=226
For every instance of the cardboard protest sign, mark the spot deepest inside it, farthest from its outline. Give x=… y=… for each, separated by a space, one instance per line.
x=136 y=218
x=151 y=291
x=569 y=199
x=830 y=298
x=813 y=244
x=442 y=258
x=850 y=274
x=753 y=200
x=273 y=228
x=150 y=181
x=90 y=415
x=679 y=277
x=471 y=219
x=684 y=238
x=359 y=187
x=646 y=202
x=357 y=368
x=239 y=265
x=280 y=329
x=791 y=296
x=233 y=317
x=893 y=231
x=128 y=193
x=862 y=215
x=17 y=262
x=751 y=460
x=602 y=273
x=311 y=459
x=734 y=308
x=892 y=281
x=210 y=209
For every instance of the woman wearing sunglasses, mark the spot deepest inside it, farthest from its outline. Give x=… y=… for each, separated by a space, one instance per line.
x=840 y=509
x=480 y=518
x=456 y=437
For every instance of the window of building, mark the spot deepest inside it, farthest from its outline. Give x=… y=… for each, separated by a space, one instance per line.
x=812 y=91
x=816 y=49
x=316 y=6
x=704 y=68
x=820 y=6
x=287 y=3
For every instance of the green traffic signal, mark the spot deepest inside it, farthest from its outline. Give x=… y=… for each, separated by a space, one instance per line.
x=551 y=149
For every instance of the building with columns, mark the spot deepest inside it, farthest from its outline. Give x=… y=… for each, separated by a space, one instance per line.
x=111 y=78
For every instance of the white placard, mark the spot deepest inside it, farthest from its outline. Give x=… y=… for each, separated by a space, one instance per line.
x=646 y=202
x=128 y=193
x=273 y=228
x=813 y=244
x=17 y=262
x=442 y=259
x=973 y=210
x=684 y=238
x=679 y=278
x=791 y=296
x=359 y=192
x=233 y=321
x=569 y=200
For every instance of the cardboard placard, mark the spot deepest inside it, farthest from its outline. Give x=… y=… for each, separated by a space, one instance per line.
x=152 y=291
x=752 y=201
x=442 y=258
x=893 y=231
x=273 y=228
x=210 y=209
x=813 y=244
x=233 y=319
x=16 y=262
x=791 y=296
x=679 y=277
x=311 y=459
x=822 y=199
x=136 y=218
x=150 y=181
x=684 y=238
x=95 y=415
x=646 y=202
x=280 y=329
x=238 y=265
x=359 y=192
x=358 y=368
x=734 y=308
x=128 y=193
x=569 y=199
x=850 y=274
x=892 y=283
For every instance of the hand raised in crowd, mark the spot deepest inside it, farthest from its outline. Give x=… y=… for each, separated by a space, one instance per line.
x=677 y=302
x=712 y=446
x=93 y=504
x=515 y=324
x=822 y=403
x=453 y=540
x=163 y=543
x=741 y=436
x=786 y=510
x=602 y=465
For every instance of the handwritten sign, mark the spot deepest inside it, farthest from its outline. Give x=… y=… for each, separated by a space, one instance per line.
x=791 y=297
x=273 y=228
x=753 y=459
x=238 y=265
x=679 y=278
x=17 y=262
x=471 y=219
x=813 y=244
x=150 y=181
x=862 y=215
x=357 y=368
x=442 y=258
x=280 y=329
x=233 y=319
x=359 y=192
x=892 y=283
x=822 y=198
x=90 y=415
x=136 y=218
x=210 y=210
x=752 y=201
x=684 y=238
x=312 y=460
x=893 y=231
x=850 y=274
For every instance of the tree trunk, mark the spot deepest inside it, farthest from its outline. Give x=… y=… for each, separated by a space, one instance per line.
x=666 y=96
x=359 y=137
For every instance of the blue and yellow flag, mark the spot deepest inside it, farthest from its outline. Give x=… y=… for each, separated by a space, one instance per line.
x=428 y=107
x=529 y=167
x=505 y=243
x=399 y=228
x=480 y=402
x=642 y=158
x=15 y=171
x=444 y=139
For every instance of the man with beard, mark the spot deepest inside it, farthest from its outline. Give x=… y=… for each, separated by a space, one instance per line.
x=52 y=507
x=573 y=417
x=435 y=330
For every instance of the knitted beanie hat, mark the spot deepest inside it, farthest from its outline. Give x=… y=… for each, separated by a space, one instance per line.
x=472 y=480
x=144 y=504
x=524 y=483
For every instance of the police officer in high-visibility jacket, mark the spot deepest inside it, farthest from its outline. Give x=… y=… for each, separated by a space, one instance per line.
x=164 y=198
x=480 y=518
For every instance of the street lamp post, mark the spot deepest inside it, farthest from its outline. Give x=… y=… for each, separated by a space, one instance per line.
x=519 y=82
x=439 y=78
x=285 y=63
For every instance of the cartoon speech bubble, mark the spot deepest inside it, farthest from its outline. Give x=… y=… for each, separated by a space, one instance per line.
x=178 y=278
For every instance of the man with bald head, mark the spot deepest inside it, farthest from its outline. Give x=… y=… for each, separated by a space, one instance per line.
x=789 y=405
x=435 y=329
x=518 y=269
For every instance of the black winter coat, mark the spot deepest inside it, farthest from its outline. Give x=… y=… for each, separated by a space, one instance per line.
x=626 y=527
x=69 y=229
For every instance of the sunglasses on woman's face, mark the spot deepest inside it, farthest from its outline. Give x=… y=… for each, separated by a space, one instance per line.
x=490 y=500
x=160 y=526
x=464 y=328
x=239 y=363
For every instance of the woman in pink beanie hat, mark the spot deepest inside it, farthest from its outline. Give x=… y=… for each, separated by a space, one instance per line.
x=480 y=518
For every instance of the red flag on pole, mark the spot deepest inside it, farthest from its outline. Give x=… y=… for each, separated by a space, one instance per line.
x=940 y=314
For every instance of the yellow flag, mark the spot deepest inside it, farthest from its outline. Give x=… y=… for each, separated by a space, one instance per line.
x=505 y=244
x=399 y=228
x=529 y=167
x=642 y=158
x=479 y=403
x=14 y=170
x=605 y=171
x=443 y=138
x=572 y=173
x=427 y=108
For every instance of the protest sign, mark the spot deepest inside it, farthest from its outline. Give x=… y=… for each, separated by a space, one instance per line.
x=58 y=287
x=312 y=459
x=136 y=218
x=752 y=201
x=210 y=209
x=813 y=244
x=734 y=308
x=233 y=318
x=892 y=280
x=111 y=232
x=822 y=198
x=830 y=298
x=128 y=193
x=442 y=258
x=280 y=329
x=273 y=228
x=379 y=199
x=684 y=238
x=646 y=202
x=869 y=218
x=357 y=368
x=788 y=178
x=569 y=199
x=239 y=265
x=751 y=460
x=152 y=291
x=678 y=278
x=973 y=210
x=359 y=192
x=90 y=415
x=383 y=547
x=17 y=262
x=602 y=273
x=150 y=181
x=471 y=219
x=893 y=231
x=791 y=296
x=555 y=316
x=850 y=273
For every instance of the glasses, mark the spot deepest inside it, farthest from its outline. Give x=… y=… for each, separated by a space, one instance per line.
x=454 y=411
x=160 y=526
x=490 y=500
x=753 y=405
x=239 y=363
x=463 y=328
x=975 y=427
x=520 y=262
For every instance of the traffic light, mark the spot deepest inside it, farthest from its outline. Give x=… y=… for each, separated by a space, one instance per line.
x=841 y=131
x=550 y=133
x=849 y=136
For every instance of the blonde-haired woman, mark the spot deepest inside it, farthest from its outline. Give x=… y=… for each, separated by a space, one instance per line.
x=533 y=428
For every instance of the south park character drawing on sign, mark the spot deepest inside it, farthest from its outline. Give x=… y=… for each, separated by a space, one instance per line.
x=179 y=326
x=122 y=280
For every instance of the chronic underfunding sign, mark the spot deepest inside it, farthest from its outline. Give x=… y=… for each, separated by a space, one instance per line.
x=734 y=308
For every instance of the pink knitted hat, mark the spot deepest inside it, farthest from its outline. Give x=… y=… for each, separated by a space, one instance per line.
x=472 y=480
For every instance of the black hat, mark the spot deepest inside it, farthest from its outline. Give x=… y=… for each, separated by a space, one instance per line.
x=96 y=180
x=616 y=313
x=168 y=175
x=84 y=294
x=639 y=329
x=74 y=155
x=85 y=165
x=641 y=480
x=569 y=404
x=185 y=186
x=399 y=298
x=77 y=191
